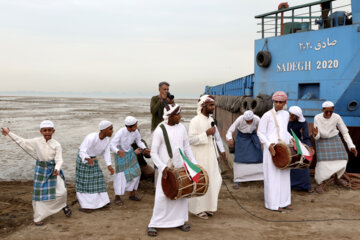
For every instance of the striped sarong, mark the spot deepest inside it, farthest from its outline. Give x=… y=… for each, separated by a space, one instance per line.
x=128 y=164
x=330 y=149
x=44 y=187
x=89 y=179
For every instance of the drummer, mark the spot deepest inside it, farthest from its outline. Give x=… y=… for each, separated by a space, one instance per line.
x=272 y=130
x=169 y=213
x=300 y=178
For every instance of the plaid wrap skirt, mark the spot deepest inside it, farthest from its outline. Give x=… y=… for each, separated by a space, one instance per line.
x=128 y=164
x=44 y=186
x=330 y=149
x=89 y=179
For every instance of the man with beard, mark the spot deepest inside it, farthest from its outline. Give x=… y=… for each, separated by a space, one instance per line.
x=169 y=213
x=204 y=139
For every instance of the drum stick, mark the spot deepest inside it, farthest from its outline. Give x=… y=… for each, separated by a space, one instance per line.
x=21 y=147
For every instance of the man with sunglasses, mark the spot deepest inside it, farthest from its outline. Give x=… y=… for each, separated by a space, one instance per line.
x=331 y=154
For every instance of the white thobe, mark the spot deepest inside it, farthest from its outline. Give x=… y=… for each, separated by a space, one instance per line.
x=277 y=186
x=46 y=151
x=205 y=153
x=91 y=146
x=245 y=172
x=329 y=128
x=169 y=213
x=123 y=140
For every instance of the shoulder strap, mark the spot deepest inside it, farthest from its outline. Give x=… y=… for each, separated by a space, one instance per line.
x=276 y=124
x=167 y=142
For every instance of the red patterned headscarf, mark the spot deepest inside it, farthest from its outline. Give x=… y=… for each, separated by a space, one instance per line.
x=280 y=96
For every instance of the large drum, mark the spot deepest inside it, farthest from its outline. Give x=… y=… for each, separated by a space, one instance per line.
x=286 y=157
x=179 y=184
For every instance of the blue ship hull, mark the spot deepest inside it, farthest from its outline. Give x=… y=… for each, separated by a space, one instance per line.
x=311 y=66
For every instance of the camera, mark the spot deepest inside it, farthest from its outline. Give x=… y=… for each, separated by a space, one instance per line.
x=170 y=96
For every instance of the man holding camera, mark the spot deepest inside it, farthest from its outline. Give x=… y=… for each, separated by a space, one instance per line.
x=158 y=103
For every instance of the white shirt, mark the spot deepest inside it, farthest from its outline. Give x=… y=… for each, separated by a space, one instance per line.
x=178 y=138
x=267 y=131
x=45 y=150
x=202 y=138
x=242 y=126
x=123 y=140
x=94 y=146
x=329 y=128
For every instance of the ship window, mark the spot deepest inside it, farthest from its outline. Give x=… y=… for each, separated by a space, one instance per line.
x=309 y=91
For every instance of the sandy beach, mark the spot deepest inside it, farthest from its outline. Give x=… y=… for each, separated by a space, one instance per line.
x=241 y=213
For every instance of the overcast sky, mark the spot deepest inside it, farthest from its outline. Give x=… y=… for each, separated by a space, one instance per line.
x=127 y=46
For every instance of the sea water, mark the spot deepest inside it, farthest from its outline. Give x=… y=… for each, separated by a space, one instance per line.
x=74 y=118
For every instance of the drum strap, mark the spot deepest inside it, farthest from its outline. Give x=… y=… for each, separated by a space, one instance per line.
x=277 y=125
x=167 y=143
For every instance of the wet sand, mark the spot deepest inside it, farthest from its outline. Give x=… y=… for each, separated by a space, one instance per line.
x=313 y=216
x=230 y=222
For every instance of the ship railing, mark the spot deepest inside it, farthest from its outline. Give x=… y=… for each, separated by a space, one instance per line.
x=239 y=87
x=305 y=17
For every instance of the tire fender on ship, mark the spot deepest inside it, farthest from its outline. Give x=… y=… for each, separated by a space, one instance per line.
x=263 y=59
x=245 y=104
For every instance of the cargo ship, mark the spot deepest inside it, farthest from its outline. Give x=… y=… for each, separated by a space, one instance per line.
x=313 y=56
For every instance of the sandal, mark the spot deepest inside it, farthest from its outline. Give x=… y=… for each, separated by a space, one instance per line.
x=41 y=223
x=287 y=208
x=85 y=210
x=210 y=214
x=236 y=185
x=202 y=215
x=343 y=183
x=135 y=198
x=118 y=201
x=319 y=189
x=152 y=232
x=185 y=228
x=67 y=211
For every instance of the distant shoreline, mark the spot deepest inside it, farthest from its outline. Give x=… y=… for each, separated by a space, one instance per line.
x=87 y=95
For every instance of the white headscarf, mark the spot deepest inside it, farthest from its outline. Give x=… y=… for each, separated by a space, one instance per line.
x=297 y=112
x=130 y=120
x=203 y=100
x=47 y=124
x=328 y=104
x=170 y=110
x=248 y=115
x=104 y=124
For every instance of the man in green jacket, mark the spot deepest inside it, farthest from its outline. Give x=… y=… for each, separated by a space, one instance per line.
x=158 y=103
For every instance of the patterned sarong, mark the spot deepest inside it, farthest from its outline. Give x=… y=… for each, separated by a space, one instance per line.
x=128 y=164
x=330 y=149
x=44 y=187
x=89 y=179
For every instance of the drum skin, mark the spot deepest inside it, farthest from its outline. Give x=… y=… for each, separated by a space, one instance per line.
x=287 y=158
x=178 y=185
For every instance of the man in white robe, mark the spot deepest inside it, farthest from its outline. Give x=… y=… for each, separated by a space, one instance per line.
x=204 y=140
x=331 y=154
x=90 y=183
x=127 y=176
x=169 y=213
x=49 y=152
x=248 y=154
x=273 y=129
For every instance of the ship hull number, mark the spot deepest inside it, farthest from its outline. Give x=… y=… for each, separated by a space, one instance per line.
x=327 y=64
